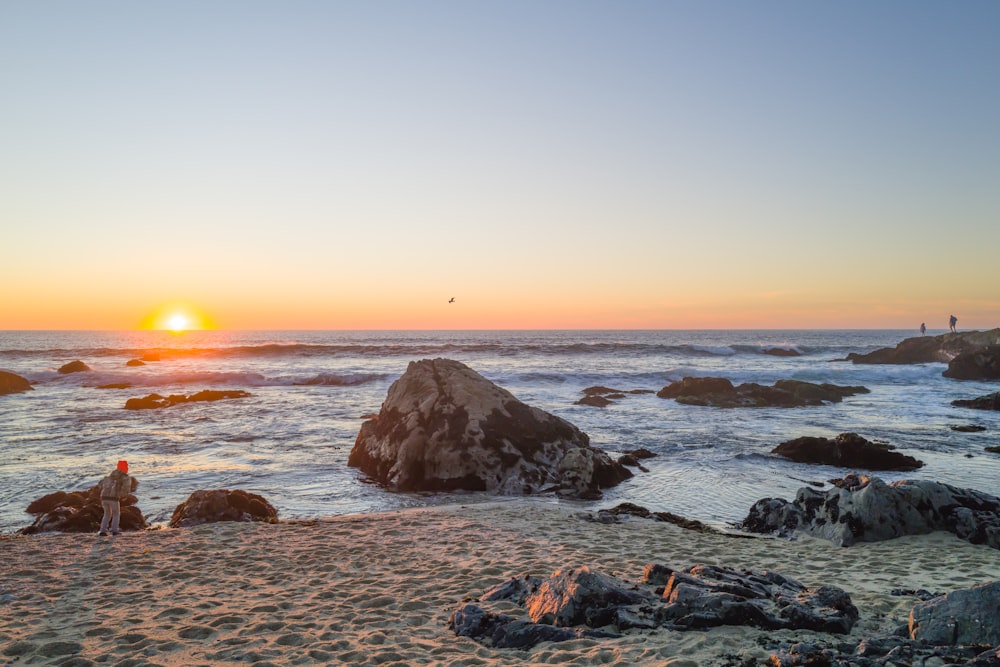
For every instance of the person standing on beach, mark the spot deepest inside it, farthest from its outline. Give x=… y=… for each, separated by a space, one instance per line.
x=952 y=321
x=923 y=328
x=114 y=488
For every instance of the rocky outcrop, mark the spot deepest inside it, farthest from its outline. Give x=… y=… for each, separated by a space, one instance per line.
x=600 y=397
x=11 y=383
x=873 y=652
x=222 y=505
x=928 y=349
x=866 y=509
x=74 y=367
x=444 y=427
x=968 y=428
x=155 y=401
x=979 y=364
x=963 y=617
x=847 y=450
x=135 y=362
x=720 y=393
x=699 y=597
x=80 y=512
x=781 y=352
x=988 y=402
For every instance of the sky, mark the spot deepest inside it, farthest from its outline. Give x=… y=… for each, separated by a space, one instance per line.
x=554 y=164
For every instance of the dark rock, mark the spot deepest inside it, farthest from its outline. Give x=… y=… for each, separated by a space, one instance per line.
x=631 y=509
x=782 y=352
x=979 y=364
x=594 y=401
x=444 y=427
x=847 y=450
x=720 y=393
x=115 y=385
x=80 y=512
x=580 y=596
x=928 y=349
x=877 y=652
x=968 y=616
x=74 y=367
x=135 y=362
x=222 y=505
x=871 y=511
x=11 y=383
x=154 y=401
x=600 y=397
x=968 y=428
x=993 y=450
x=504 y=630
x=641 y=453
x=988 y=402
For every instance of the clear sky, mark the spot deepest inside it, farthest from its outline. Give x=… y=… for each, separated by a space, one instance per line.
x=549 y=164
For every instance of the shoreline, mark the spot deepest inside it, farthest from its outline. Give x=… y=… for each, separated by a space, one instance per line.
x=379 y=588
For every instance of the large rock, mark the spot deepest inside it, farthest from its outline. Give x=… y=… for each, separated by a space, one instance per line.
x=222 y=505
x=80 y=512
x=74 y=367
x=847 y=450
x=866 y=509
x=928 y=349
x=11 y=383
x=720 y=393
x=444 y=427
x=155 y=401
x=699 y=597
x=988 y=402
x=979 y=364
x=969 y=616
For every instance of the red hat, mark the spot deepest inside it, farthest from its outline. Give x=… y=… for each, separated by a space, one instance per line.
x=123 y=466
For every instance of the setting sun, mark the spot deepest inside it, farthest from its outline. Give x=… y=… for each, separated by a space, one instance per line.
x=177 y=322
x=176 y=317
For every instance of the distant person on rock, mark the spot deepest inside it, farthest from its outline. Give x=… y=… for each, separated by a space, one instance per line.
x=114 y=488
x=923 y=328
x=952 y=321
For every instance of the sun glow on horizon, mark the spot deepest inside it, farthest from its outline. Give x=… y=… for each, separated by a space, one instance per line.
x=176 y=318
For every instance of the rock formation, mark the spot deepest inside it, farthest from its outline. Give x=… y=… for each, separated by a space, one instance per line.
x=135 y=362
x=979 y=364
x=155 y=401
x=222 y=505
x=80 y=512
x=444 y=427
x=847 y=450
x=600 y=397
x=988 y=402
x=74 y=367
x=699 y=597
x=781 y=352
x=720 y=393
x=968 y=616
x=866 y=509
x=11 y=383
x=928 y=349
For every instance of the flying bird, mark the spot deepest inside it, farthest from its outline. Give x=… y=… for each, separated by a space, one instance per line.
x=451 y=300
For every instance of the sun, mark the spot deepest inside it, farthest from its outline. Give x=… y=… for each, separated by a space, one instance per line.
x=176 y=317
x=178 y=322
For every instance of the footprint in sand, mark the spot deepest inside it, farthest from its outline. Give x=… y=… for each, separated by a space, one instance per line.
x=196 y=632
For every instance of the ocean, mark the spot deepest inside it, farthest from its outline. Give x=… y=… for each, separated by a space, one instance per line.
x=310 y=390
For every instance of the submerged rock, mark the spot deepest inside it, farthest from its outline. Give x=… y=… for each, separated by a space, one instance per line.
x=11 y=383
x=600 y=397
x=720 y=393
x=847 y=450
x=929 y=349
x=868 y=510
x=222 y=505
x=80 y=512
x=979 y=364
x=988 y=402
x=74 y=367
x=135 y=362
x=444 y=427
x=155 y=401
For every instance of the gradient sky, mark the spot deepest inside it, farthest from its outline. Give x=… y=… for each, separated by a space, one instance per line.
x=550 y=164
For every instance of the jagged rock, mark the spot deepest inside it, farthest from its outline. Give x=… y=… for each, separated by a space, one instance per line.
x=444 y=427
x=11 y=383
x=135 y=362
x=847 y=450
x=80 y=512
x=979 y=364
x=699 y=597
x=74 y=367
x=504 y=630
x=987 y=402
x=874 y=652
x=720 y=393
x=928 y=349
x=222 y=505
x=968 y=616
x=871 y=510
x=155 y=401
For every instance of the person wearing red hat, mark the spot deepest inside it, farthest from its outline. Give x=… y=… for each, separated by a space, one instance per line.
x=114 y=488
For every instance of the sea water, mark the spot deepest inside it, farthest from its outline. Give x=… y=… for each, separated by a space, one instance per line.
x=311 y=390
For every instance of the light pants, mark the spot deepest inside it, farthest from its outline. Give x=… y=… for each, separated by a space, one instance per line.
x=112 y=513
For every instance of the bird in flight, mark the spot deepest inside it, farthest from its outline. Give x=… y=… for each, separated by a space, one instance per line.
x=451 y=300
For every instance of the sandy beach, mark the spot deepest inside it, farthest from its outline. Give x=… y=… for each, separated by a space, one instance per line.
x=377 y=589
